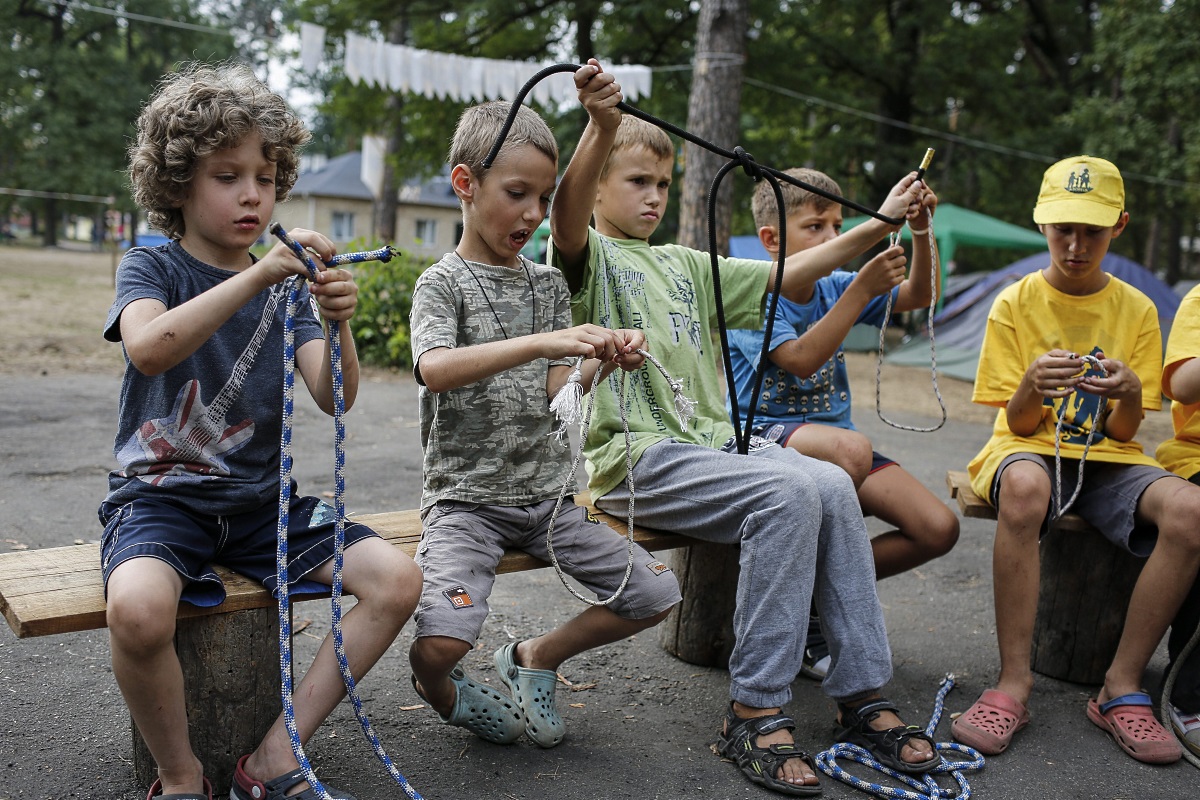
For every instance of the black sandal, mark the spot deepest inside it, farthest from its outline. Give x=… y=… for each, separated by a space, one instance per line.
x=737 y=742
x=885 y=745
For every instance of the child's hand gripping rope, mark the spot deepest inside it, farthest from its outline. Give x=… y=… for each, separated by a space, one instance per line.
x=568 y=407
x=285 y=481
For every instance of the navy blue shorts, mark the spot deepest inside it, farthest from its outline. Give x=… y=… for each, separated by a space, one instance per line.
x=781 y=432
x=245 y=543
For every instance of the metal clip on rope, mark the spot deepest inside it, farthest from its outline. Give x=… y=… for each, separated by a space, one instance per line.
x=285 y=495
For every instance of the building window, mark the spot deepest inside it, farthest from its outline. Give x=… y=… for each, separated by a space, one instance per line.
x=343 y=226
x=427 y=231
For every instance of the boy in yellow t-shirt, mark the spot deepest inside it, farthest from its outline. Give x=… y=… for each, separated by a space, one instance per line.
x=1181 y=455
x=1074 y=353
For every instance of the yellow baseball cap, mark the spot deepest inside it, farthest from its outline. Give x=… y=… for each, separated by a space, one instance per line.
x=1081 y=189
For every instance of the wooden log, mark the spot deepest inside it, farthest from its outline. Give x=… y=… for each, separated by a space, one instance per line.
x=231 y=680
x=700 y=629
x=1086 y=583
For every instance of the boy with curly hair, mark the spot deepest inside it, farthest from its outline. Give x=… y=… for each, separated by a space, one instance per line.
x=200 y=319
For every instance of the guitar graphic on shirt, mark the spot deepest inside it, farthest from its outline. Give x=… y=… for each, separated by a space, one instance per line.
x=193 y=441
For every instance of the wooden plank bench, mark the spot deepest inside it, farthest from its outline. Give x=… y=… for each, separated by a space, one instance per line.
x=1084 y=591
x=230 y=652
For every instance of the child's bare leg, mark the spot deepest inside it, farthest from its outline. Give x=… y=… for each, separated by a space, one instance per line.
x=143 y=597
x=387 y=586
x=1174 y=506
x=850 y=450
x=1016 y=563
x=593 y=628
x=925 y=527
x=432 y=658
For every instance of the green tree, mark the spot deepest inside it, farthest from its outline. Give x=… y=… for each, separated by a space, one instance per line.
x=1134 y=118
x=75 y=80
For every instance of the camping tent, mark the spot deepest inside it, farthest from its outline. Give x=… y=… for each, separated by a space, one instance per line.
x=954 y=226
x=958 y=328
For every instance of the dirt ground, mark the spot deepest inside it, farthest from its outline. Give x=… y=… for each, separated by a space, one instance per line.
x=62 y=298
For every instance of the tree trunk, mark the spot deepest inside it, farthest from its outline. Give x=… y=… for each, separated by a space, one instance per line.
x=713 y=110
x=50 y=234
x=389 y=196
x=700 y=628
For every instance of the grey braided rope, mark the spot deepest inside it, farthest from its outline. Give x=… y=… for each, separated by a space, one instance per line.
x=934 y=272
x=1169 y=686
x=1059 y=508
x=569 y=483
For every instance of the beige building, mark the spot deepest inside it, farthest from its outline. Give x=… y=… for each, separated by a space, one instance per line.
x=334 y=200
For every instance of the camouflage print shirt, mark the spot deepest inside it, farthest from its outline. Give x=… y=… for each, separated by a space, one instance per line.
x=490 y=442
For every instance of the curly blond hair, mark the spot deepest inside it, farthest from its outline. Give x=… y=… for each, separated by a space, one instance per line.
x=194 y=113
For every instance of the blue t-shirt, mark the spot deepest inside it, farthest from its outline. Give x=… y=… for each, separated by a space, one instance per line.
x=205 y=432
x=823 y=397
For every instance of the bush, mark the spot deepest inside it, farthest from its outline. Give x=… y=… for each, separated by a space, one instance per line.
x=380 y=323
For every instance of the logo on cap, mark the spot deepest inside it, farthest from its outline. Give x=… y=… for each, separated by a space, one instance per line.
x=1079 y=183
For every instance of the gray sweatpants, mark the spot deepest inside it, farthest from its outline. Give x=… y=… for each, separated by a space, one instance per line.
x=800 y=527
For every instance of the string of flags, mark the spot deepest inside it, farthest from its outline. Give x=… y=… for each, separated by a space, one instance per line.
x=447 y=76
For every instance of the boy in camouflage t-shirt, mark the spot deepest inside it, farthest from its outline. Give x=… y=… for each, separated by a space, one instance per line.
x=492 y=346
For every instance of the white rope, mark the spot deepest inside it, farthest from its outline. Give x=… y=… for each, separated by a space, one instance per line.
x=684 y=409
x=934 y=273
x=1060 y=508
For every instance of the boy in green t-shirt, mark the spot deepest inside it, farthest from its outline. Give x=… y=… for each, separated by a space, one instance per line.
x=797 y=519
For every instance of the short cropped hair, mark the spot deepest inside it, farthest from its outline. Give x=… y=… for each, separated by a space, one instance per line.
x=636 y=132
x=479 y=125
x=762 y=206
x=195 y=113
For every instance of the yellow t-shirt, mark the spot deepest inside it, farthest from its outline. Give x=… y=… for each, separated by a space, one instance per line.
x=1031 y=318
x=1181 y=454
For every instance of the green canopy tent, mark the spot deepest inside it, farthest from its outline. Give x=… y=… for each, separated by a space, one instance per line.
x=954 y=226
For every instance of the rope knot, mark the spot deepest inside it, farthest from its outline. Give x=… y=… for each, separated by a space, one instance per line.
x=748 y=164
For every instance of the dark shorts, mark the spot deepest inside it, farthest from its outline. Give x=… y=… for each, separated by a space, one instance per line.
x=462 y=543
x=1107 y=500
x=781 y=433
x=245 y=543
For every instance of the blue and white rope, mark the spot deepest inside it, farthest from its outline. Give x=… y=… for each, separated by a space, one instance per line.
x=924 y=786
x=285 y=491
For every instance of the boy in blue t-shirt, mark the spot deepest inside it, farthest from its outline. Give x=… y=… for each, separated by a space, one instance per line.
x=201 y=322
x=804 y=402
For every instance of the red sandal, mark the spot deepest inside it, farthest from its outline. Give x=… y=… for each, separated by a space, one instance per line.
x=1129 y=719
x=990 y=724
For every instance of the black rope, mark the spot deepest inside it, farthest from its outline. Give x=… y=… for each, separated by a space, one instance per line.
x=756 y=171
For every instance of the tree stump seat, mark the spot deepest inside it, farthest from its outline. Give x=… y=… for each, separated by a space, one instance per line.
x=230 y=652
x=1084 y=592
